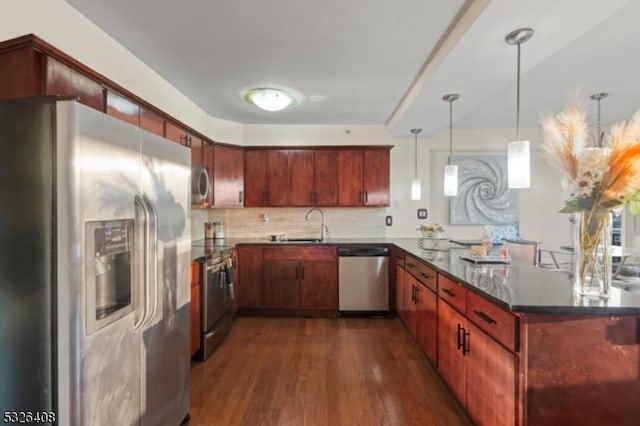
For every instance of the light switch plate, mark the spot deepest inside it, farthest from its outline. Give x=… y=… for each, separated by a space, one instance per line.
x=388 y=220
x=422 y=213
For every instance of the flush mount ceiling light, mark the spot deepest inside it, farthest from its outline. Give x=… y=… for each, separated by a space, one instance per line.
x=271 y=98
x=416 y=186
x=450 y=170
x=518 y=162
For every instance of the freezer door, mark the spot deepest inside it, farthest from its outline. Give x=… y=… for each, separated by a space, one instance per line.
x=98 y=178
x=166 y=171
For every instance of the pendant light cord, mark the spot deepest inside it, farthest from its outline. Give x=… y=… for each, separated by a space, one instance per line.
x=450 y=130
x=518 y=97
x=415 y=156
x=598 y=139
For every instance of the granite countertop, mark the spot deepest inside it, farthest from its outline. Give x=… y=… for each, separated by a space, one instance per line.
x=516 y=287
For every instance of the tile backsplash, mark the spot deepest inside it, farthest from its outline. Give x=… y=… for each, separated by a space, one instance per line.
x=251 y=222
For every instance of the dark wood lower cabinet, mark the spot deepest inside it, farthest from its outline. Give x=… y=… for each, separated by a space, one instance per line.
x=451 y=360
x=302 y=279
x=248 y=288
x=281 y=284
x=427 y=320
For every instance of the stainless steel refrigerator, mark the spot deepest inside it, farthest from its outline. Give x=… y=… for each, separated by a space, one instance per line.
x=94 y=264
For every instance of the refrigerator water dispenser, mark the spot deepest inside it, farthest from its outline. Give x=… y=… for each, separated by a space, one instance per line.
x=109 y=272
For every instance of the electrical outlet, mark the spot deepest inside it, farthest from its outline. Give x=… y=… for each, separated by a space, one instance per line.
x=388 y=220
x=422 y=213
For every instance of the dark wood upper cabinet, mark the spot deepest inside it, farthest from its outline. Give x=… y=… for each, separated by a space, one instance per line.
x=302 y=174
x=20 y=69
x=325 y=177
x=228 y=176
x=376 y=177
x=176 y=133
x=255 y=178
x=120 y=107
x=61 y=79
x=363 y=177
x=350 y=177
x=266 y=180
x=151 y=121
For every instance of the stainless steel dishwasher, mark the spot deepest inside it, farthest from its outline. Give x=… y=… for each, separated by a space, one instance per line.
x=363 y=285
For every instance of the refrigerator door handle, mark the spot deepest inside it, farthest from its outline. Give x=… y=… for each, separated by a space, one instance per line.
x=152 y=244
x=145 y=262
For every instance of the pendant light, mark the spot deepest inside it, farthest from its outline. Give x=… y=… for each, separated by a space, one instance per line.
x=518 y=161
x=599 y=135
x=450 y=170
x=416 y=187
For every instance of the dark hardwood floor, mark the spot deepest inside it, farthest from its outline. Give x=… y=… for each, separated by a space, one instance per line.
x=294 y=371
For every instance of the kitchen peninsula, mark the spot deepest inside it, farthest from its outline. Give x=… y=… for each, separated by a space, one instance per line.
x=513 y=343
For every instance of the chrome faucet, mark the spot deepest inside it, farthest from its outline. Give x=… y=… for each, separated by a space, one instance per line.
x=324 y=231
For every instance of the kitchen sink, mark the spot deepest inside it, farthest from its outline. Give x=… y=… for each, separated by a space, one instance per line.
x=301 y=240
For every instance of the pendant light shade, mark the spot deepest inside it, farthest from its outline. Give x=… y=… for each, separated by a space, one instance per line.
x=416 y=186
x=518 y=158
x=450 y=180
x=450 y=170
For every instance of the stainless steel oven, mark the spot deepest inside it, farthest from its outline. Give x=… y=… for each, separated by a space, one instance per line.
x=217 y=301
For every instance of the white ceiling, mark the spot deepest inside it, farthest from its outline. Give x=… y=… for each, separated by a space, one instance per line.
x=367 y=58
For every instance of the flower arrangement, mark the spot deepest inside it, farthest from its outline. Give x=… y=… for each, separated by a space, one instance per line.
x=601 y=176
x=431 y=230
x=598 y=176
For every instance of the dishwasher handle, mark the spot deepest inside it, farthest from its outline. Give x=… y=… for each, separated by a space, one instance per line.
x=363 y=251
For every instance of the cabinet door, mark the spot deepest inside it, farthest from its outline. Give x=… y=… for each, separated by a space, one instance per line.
x=319 y=285
x=302 y=171
x=325 y=179
x=278 y=178
x=122 y=108
x=282 y=284
x=451 y=361
x=21 y=73
x=248 y=288
x=63 y=80
x=400 y=299
x=228 y=176
x=208 y=164
x=151 y=121
x=195 y=319
x=411 y=296
x=491 y=381
x=427 y=322
x=376 y=177
x=350 y=177
x=175 y=133
x=255 y=178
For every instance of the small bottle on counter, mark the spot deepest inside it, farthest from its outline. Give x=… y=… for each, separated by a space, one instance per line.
x=487 y=242
x=208 y=231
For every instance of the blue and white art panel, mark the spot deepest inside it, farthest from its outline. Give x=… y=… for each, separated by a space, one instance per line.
x=483 y=195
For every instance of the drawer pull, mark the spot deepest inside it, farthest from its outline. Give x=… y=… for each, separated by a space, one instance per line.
x=485 y=317
x=411 y=265
x=426 y=276
x=465 y=342
x=448 y=292
x=460 y=333
x=415 y=299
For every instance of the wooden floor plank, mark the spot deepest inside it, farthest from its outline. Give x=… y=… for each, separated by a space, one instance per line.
x=317 y=372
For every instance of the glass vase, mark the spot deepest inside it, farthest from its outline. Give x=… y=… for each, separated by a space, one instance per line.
x=592 y=245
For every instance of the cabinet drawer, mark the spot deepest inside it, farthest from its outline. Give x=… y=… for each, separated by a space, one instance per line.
x=498 y=323
x=422 y=273
x=300 y=252
x=454 y=293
